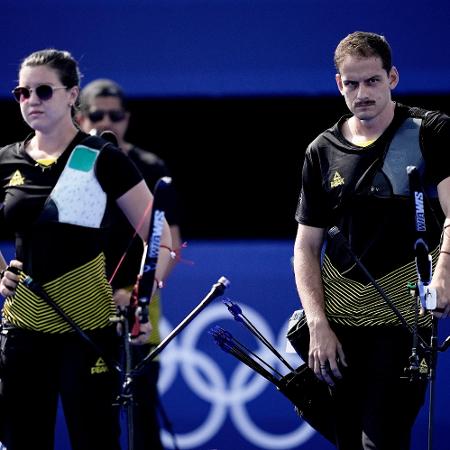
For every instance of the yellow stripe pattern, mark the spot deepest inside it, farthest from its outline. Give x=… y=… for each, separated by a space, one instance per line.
x=83 y=294
x=353 y=303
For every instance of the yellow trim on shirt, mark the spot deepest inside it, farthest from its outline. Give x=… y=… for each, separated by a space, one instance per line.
x=46 y=161
x=365 y=143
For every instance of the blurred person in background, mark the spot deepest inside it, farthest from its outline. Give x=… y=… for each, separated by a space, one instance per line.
x=103 y=108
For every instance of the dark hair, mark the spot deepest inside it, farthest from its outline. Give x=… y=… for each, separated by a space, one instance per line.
x=102 y=87
x=59 y=60
x=363 y=44
x=62 y=62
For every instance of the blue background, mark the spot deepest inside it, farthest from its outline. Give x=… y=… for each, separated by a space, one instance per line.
x=225 y=47
x=261 y=282
x=228 y=92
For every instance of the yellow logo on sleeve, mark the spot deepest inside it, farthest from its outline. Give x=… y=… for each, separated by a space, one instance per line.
x=17 y=179
x=337 y=180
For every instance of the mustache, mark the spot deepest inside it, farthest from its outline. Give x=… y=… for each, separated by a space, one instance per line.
x=365 y=103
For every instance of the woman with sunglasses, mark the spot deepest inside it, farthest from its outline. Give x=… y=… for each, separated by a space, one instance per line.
x=58 y=188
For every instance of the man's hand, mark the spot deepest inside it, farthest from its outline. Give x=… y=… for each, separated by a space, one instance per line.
x=325 y=352
x=442 y=285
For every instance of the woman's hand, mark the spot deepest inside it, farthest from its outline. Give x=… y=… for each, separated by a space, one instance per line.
x=10 y=279
x=122 y=297
x=145 y=330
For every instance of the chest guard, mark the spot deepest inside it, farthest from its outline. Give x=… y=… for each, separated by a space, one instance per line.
x=77 y=198
x=404 y=150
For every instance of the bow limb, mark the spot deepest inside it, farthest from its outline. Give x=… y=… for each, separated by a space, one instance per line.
x=155 y=231
x=137 y=204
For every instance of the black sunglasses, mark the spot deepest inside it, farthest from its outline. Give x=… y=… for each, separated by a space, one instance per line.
x=115 y=115
x=43 y=91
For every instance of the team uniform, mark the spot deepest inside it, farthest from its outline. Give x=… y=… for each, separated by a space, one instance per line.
x=364 y=192
x=60 y=214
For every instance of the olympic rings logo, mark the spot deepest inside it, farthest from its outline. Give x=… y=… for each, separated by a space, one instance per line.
x=227 y=397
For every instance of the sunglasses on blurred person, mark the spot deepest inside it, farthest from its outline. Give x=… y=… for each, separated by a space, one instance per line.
x=43 y=91
x=115 y=115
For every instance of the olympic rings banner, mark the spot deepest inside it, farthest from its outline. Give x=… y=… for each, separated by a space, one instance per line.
x=231 y=406
x=213 y=401
x=226 y=406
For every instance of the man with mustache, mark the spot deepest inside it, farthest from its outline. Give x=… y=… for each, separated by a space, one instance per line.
x=354 y=178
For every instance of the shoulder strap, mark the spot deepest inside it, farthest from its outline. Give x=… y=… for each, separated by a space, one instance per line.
x=95 y=142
